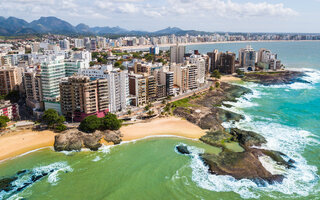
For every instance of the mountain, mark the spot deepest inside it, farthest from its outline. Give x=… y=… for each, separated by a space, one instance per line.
x=13 y=26
x=109 y=30
x=52 y=25
x=83 y=28
x=169 y=30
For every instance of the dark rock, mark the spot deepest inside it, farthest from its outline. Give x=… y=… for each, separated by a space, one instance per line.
x=216 y=138
x=5 y=183
x=182 y=149
x=247 y=138
x=240 y=165
x=278 y=158
x=274 y=78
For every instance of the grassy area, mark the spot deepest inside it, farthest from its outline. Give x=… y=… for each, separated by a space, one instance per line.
x=184 y=103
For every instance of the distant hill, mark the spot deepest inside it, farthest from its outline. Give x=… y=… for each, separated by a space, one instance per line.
x=13 y=26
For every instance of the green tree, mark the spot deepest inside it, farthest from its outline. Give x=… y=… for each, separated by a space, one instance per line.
x=111 y=122
x=211 y=88
x=3 y=121
x=129 y=112
x=61 y=127
x=216 y=74
x=239 y=72
x=90 y=124
x=217 y=84
x=52 y=118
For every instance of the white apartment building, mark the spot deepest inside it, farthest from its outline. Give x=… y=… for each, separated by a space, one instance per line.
x=118 y=84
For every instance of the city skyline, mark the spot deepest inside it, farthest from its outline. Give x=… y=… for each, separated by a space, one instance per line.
x=150 y=15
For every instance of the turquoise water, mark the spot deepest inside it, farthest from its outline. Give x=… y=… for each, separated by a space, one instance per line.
x=287 y=116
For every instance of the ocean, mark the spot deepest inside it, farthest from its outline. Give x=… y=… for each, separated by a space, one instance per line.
x=288 y=116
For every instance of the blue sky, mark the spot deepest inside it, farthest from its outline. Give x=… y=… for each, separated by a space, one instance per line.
x=151 y=15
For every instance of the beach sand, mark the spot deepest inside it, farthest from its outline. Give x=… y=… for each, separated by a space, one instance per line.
x=162 y=126
x=16 y=143
x=229 y=78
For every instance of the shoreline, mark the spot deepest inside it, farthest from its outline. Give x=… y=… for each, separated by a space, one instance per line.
x=207 y=43
x=20 y=143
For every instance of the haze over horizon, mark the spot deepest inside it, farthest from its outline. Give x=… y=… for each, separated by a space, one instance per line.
x=152 y=15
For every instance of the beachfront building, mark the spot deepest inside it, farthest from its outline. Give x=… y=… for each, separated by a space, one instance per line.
x=177 y=54
x=213 y=60
x=200 y=62
x=268 y=60
x=226 y=63
x=248 y=58
x=118 y=82
x=11 y=110
x=10 y=79
x=82 y=97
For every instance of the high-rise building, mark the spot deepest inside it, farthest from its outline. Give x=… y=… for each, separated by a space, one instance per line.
x=118 y=82
x=64 y=44
x=214 y=57
x=200 y=62
x=151 y=89
x=226 y=63
x=181 y=77
x=138 y=89
x=192 y=79
x=169 y=83
x=32 y=86
x=248 y=58
x=78 y=43
x=10 y=79
x=52 y=71
x=82 y=97
x=155 y=50
x=177 y=54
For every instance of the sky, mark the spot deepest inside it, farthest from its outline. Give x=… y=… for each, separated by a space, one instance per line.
x=151 y=15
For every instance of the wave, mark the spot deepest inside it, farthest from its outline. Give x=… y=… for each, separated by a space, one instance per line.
x=292 y=141
x=27 y=178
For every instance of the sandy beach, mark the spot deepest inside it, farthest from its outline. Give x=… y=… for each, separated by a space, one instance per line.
x=229 y=78
x=17 y=143
x=204 y=43
x=162 y=126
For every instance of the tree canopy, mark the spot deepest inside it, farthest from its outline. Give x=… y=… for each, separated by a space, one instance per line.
x=90 y=124
x=216 y=74
x=3 y=121
x=110 y=122
x=52 y=118
x=93 y=123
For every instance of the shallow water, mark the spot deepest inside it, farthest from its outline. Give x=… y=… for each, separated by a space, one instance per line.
x=287 y=116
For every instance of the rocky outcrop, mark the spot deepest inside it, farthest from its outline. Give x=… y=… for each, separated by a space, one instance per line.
x=240 y=165
x=183 y=149
x=208 y=114
x=75 y=140
x=247 y=138
x=112 y=136
x=274 y=78
x=244 y=164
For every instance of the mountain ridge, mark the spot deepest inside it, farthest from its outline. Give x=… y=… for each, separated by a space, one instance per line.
x=13 y=26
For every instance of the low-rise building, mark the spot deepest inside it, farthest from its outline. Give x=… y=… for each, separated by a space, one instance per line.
x=11 y=110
